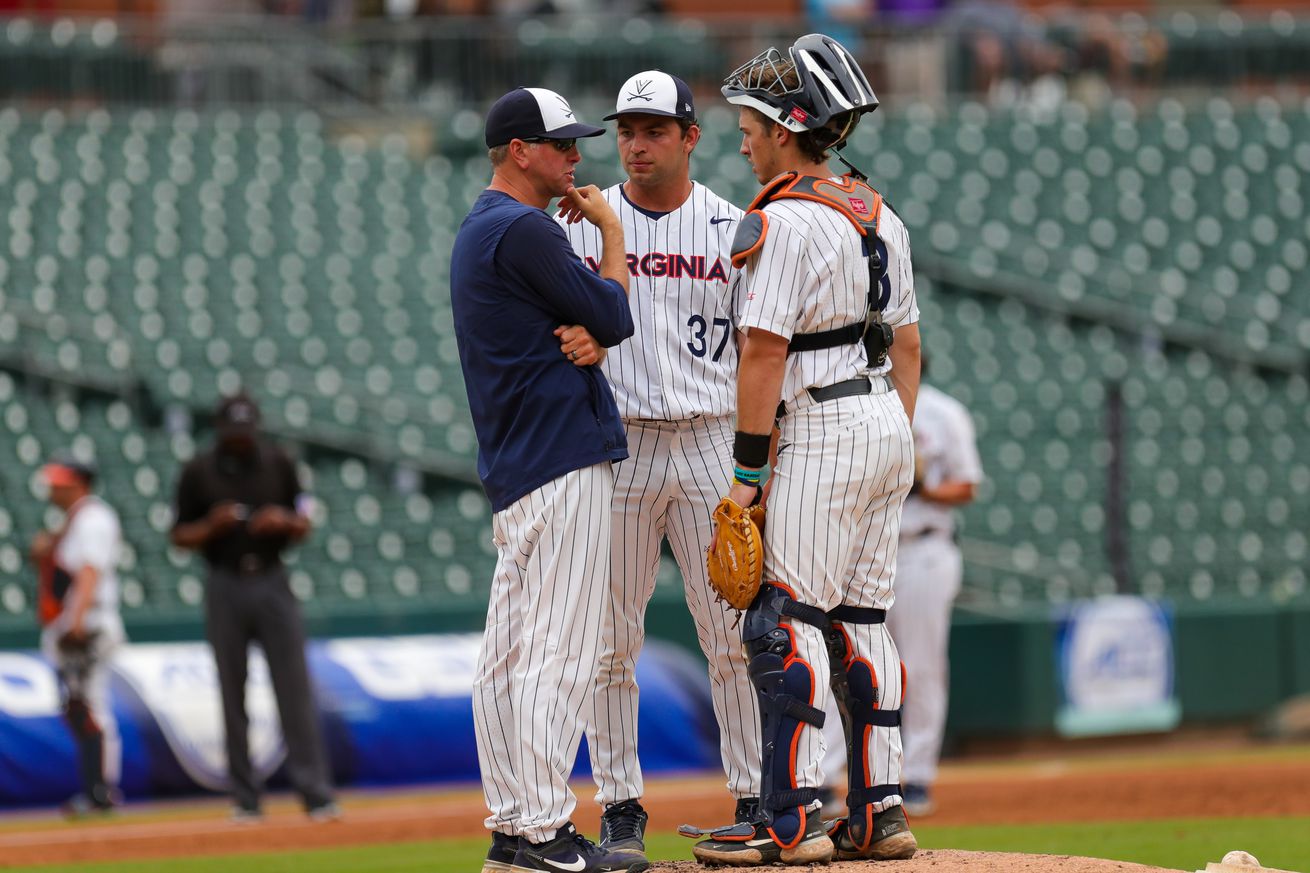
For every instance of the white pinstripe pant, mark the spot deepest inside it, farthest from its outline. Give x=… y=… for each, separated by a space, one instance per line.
x=537 y=666
x=844 y=469
x=931 y=570
x=669 y=485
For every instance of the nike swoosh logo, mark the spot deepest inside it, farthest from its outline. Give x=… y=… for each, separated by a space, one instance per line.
x=720 y=220
x=758 y=842
x=575 y=865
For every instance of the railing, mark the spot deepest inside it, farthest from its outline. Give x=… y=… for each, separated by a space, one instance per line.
x=78 y=349
x=445 y=61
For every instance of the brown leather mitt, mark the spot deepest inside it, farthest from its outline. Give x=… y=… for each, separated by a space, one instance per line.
x=736 y=563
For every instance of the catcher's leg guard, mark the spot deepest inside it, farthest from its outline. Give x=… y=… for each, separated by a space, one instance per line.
x=90 y=748
x=855 y=685
x=784 y=684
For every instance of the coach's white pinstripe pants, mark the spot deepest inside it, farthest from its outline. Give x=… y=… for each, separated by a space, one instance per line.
x=532 y=691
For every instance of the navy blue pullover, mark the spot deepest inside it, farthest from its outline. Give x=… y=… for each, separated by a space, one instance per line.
x=514 y=278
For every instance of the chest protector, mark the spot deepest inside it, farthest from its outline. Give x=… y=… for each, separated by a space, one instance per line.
x=52 y=580
x=859 y=204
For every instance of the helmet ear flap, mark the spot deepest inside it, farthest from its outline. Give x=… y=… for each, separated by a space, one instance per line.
x=837 y=131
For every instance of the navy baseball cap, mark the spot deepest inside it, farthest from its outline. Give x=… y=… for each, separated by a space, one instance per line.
x=655 y=93
x=534 y=113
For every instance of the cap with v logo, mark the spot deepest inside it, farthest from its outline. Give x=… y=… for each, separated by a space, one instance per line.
x=655 y=93
x=534 y=113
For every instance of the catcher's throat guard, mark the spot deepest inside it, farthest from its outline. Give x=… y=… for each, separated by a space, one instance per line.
x=862 y=207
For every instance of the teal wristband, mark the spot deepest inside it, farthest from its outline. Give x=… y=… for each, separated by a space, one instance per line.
x=746 y=477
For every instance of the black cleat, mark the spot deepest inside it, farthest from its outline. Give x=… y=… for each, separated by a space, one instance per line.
x=571 y=852
x=623 y=829
x=500 y=857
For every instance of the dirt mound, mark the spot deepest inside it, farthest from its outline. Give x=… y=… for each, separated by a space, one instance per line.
x=950 y=861
x=1138 y=787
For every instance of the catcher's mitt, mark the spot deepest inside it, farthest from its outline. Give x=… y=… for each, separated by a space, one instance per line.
x=736 y=563
x=76 y=644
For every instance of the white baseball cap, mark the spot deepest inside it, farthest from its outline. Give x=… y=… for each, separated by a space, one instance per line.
x=655 y=93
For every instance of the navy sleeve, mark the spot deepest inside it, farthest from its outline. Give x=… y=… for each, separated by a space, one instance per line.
x=535 y=252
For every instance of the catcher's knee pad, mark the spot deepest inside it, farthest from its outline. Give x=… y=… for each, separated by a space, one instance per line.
x=784 y=683
x=81 y=720
x=855 y=685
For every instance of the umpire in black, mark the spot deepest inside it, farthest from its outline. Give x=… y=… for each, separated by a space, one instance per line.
x=237 y=505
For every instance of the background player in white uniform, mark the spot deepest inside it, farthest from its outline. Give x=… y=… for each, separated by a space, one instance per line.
x=83 y=629
x=928 y=578
x=675 y=384
x=844 y=461
x=929 y=570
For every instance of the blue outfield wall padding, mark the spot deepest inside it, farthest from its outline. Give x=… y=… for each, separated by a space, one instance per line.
x=395 y=710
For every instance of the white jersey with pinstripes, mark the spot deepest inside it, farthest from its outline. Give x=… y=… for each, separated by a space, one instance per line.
x=682 y=360
x=811 y=274
x=675 y=382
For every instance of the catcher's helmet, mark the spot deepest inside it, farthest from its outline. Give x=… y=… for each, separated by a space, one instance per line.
x=827 y=82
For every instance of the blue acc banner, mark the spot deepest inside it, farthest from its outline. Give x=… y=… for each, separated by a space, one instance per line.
x=1116 y=665
x=395 y=710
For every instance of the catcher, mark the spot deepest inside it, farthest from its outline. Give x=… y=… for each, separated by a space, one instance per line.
x=832 y=333
x=77 y=605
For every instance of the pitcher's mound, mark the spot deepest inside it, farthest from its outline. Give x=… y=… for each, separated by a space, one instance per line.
x=951 y=860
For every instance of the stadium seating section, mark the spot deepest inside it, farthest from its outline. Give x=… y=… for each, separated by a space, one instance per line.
x=152 y=260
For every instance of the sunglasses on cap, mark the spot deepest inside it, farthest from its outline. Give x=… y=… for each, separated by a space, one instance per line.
x=563 y=145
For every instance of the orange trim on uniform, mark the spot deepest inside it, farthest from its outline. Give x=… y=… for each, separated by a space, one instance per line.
x=48 y=606
x=783 y=587
x=785 y=186
x=866 y=754
x=795 y=737
x=771 y=187
x=868 y=827
x=905 y=683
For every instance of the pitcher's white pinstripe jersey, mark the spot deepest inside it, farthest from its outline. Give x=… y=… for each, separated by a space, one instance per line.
x=682 y=360
x=811 y=275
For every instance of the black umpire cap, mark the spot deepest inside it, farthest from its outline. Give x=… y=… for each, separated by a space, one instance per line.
x=237 y=414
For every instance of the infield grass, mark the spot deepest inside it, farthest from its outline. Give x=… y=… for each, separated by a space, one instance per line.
x=1183 y=844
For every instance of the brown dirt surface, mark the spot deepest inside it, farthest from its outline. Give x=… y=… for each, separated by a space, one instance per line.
x=951 y=861
x=1190 y=781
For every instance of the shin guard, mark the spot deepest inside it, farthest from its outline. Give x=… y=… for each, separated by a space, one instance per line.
x=784 y=684
x=90 y=747
x=855 y=685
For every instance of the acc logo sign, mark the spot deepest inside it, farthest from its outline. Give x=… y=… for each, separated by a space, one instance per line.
x=1117 y=667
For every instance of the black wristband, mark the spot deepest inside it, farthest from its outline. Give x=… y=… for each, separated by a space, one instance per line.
x=751 y=449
